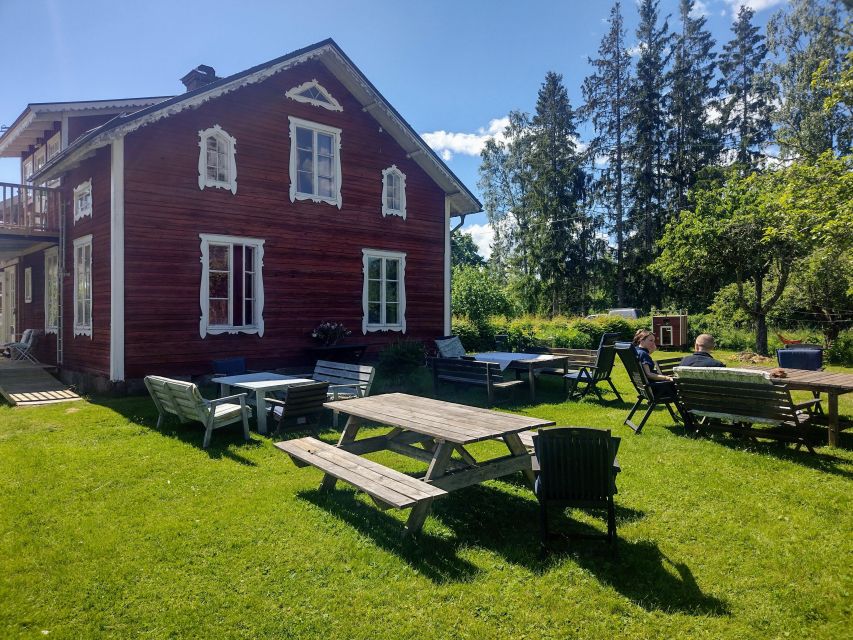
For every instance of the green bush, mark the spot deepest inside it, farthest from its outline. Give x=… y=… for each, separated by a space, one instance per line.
x=841 y=351
x=476 y=294
x=399 y=359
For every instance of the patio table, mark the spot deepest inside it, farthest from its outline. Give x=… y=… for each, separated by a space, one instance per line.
x=528 y=362
x=440 y=428
x=260 y=384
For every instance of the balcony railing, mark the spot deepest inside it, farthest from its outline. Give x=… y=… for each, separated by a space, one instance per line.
x=29 y=210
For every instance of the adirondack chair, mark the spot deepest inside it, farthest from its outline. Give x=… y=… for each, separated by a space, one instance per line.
x=591 y=375
x=745 y=402
x=577 y=468
x=646 y=390
x=23 y=350
x=449 y=347
x=184 y=400
x=301 y=406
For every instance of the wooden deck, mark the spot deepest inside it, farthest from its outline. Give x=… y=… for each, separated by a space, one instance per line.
x=27 y=384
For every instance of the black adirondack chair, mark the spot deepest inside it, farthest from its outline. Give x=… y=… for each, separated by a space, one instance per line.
x=591 y=375
x=577 y=468
x=646 y=390
x=300 y=408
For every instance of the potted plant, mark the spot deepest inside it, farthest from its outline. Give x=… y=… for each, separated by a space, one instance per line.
x=329 y=334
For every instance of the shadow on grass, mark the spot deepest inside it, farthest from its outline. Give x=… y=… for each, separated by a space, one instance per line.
x=823 y=460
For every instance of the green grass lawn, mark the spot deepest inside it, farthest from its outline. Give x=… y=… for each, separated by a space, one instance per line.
x=112 y=528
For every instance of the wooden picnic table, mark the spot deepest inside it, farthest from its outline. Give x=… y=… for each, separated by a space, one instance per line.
x=831 y=383
x=425 y=429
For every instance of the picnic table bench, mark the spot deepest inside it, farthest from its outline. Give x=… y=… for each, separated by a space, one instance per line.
x=387 y=487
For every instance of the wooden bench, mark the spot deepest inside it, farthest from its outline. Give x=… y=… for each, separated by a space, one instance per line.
x=345 y=380
x=387 y=487
x=737 y=400
x=472 y=372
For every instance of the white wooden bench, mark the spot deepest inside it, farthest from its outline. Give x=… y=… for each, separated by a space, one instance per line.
x=387 y=487
x=345 y=380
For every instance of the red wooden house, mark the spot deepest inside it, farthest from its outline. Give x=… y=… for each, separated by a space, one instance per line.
x=229 y=220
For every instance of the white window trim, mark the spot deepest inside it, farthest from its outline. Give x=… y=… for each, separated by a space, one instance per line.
x=322 y=128
x=28 y=284
x=205 y=328
x=379 y=253
x=331 y=105
x=386 y=210
x=81 y=188
x=52 y=253
x=79 y=328
x=231 y=142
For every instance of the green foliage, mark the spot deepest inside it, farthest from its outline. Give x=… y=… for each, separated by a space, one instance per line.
x=475 y=293
x=463 y=251
x=841 y=350
x=401 y=358
x=474 y=336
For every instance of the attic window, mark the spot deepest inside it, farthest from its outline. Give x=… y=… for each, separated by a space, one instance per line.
x=314 y=93
x=217 y=166
x=393 y=192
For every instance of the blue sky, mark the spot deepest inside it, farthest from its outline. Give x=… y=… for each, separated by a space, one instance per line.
x=453 y=69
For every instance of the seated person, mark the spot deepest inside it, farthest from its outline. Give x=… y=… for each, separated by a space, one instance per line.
x=702 y=353
x=645 y=345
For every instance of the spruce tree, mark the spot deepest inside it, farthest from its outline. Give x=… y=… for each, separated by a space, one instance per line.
x=693 y=140
x=605 y=93
x=746 y=106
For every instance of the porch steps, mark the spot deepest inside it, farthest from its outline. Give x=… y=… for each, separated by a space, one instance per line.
x=27 y=384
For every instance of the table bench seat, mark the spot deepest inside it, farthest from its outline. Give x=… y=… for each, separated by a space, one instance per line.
x=386 y=486
x=471 y=372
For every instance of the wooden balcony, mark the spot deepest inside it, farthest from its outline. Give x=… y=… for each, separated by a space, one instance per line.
x=29 y=218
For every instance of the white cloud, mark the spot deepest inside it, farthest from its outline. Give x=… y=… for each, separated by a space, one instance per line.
x=700 y=8
x=637 y=50
x=482 y=235
x=755 y=5
x=447 y=143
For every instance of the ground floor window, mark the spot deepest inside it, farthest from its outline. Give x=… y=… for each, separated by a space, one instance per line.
x=28 y=284
x=51 y=290
x=384 y=291
x=232 y=287
x=83 y=286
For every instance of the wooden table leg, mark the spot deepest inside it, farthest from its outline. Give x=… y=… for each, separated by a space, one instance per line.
x=437 y=467
x=532 y=383
x=350 y=431
x=833 y=418
x=513 y=443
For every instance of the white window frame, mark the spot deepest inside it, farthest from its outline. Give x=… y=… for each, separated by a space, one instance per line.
x=51 y=301
x=336 y=146
x=28 y=284
x=386 y=210
x=367 y=254
x=257 y=327
x=82 y=328
x=296 y=94
x=82 y=210
x=230 y=143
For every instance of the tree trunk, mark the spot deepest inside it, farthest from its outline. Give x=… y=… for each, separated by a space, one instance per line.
x=761 y=334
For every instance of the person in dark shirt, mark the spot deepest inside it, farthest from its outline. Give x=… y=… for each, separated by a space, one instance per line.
x=702 y=353
x=645 y=345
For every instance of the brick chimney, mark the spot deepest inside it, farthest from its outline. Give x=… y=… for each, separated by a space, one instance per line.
x=199 y=77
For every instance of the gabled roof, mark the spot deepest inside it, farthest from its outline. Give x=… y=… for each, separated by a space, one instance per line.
x=462 y=201
x=39 y=117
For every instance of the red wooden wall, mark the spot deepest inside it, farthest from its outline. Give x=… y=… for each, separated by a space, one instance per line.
x=313 y=251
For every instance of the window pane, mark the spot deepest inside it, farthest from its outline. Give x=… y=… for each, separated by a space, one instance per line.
x=211 y=145
x=219 y=284
x=391 y=313
x=373 y=316
x=305 y=161
x=249 y=314
x=219 y=312
x=324 y=166
x=391 y=292
x=374 y=268
x=325 y=187
x=391 y=269
x=324 y=144
x=304 y=138
x=219 y=257
x=304 y=182
x=373 y=291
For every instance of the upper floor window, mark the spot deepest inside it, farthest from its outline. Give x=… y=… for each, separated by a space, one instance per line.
x=315 y=162
x=232 y=285
x=51 y=290
x=217 y=165
x=83 y=200
x=83 y=286
x=384 y=291
x=313 y=92
x=393 y=192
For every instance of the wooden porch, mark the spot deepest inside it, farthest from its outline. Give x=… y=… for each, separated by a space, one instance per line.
x=26 y=384
x=29 y=218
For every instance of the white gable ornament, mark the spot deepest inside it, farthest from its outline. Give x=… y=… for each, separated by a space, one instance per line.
x=312 y=92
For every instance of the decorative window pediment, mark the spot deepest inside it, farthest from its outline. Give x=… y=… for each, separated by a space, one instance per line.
x=393 y=192
x=217 y=163
x=83 y=200
x=312 y=92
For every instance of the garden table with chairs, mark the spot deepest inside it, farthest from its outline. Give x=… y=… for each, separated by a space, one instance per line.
x=422 y=428
x=260 y=384
x=528 y=362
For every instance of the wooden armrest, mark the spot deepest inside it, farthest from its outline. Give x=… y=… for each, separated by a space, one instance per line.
x=236 y=396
